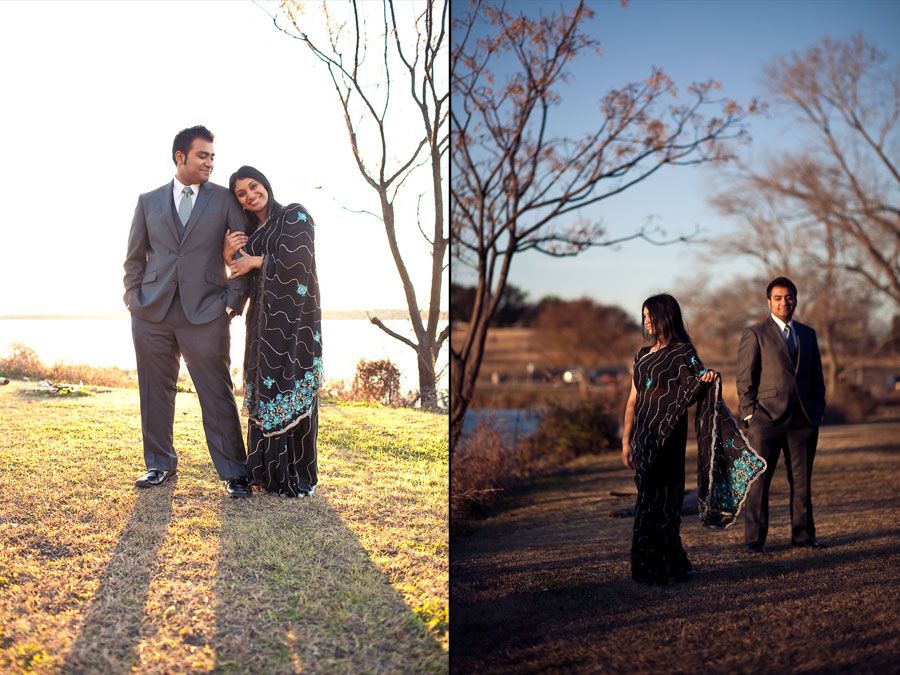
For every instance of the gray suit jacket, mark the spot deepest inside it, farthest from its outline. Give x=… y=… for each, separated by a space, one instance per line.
x=161 y=258
x=768 y=383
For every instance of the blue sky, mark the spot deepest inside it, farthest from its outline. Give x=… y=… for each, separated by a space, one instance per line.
x=727 y=40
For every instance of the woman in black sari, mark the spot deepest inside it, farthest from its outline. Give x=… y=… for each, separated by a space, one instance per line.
x=654 y=439
x=669 y=377
x=283 y=355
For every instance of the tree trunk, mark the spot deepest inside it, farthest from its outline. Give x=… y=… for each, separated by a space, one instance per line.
x=459 y=403
x=463 y=373
x=427 y=379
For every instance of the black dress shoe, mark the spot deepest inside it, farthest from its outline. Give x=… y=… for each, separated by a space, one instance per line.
x=153 y=477
x=756 y=548
x=809 y=543
x=238 y=487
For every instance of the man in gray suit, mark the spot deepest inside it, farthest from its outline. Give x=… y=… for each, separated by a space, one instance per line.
x=781 y=395
x=181 y=303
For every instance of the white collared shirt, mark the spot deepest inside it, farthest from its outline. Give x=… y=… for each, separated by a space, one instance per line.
x=178 y=188
x=781 y=324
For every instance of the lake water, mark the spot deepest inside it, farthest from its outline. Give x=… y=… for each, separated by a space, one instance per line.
x=107 y=342
x=513 y=424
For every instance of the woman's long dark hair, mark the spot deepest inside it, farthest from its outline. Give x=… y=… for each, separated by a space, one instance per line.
x=272 y=207
x=665 y=318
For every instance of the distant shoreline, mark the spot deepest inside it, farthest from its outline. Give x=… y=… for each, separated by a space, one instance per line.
x=331 y=315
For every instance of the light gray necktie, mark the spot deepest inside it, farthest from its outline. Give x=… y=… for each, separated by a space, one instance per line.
x=184 y=208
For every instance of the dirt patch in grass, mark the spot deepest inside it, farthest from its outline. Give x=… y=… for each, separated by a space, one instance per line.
x=97 y=576
x=543 y=585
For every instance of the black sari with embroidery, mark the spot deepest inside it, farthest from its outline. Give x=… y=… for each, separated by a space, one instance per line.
x=667 y=382
x=283 y=357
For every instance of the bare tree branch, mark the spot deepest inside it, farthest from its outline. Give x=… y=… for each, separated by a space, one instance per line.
x=516 y=187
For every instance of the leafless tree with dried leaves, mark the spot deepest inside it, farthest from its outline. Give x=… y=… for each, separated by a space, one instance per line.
x=828 y=212
x=516 y=186
x=410 y=56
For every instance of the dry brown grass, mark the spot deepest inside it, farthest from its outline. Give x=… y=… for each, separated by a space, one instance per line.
x=486 y=466
x=543 y=586
x=22 y=361
x=98 y=577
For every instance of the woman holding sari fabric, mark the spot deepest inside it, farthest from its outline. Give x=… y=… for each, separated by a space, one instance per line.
x=668 y=377
x=283 y=354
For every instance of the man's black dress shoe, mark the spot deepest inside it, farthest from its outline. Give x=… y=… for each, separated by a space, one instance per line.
x=153 y=477
x=809 y=543
x=756 y=548
x=238 y=487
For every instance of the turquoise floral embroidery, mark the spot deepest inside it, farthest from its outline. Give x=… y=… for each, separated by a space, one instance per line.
x=301 y=289
x=729 y=443
x=268 y=382
x=302 y=216
x=727 y=496
x=317 y=337
x=648 y=382
x=287 y=407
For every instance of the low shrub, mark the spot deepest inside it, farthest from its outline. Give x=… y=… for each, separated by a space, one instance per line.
x=588 y=427
x=377 y=381
x=483 y=467
x=104 y=376
x=847 y=404
x=22 y=361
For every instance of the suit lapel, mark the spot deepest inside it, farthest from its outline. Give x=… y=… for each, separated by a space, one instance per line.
x=197 y=211
x=168 y=201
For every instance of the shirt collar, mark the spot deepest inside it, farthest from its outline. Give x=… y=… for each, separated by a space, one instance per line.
x=179 y=187
x=781 y=324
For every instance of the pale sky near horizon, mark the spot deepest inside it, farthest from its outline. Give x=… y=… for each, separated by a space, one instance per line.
x=94 y=95
x=691 y=41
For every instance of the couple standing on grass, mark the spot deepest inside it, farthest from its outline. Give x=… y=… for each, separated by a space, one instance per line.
x=782 y=399
x=183 y=236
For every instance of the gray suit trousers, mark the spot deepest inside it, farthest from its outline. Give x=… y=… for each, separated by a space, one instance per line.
x=206 y=349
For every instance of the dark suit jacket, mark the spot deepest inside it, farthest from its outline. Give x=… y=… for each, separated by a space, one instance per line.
x=161 y=258
x=768 y=384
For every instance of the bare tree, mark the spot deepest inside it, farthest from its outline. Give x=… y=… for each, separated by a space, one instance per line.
x=516 y=186
x=827 y=216
x=783 y=243
x=842 y=187
x=386 y=153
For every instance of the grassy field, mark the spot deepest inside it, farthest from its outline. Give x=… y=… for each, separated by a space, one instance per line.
x=99 y=577
x=543 y=584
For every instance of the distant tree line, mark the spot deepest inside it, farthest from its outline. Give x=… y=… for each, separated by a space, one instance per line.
x=578 y=332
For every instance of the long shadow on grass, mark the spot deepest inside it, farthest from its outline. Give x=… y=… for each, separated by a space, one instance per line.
x=113 y=626
x=295 y=589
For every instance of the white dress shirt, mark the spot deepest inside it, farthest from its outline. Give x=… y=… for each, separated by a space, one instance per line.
x=178 y=188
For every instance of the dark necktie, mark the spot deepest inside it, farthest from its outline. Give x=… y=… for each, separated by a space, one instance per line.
x=792 y=348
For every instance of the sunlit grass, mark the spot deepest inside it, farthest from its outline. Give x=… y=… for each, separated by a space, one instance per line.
x=96 y=576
